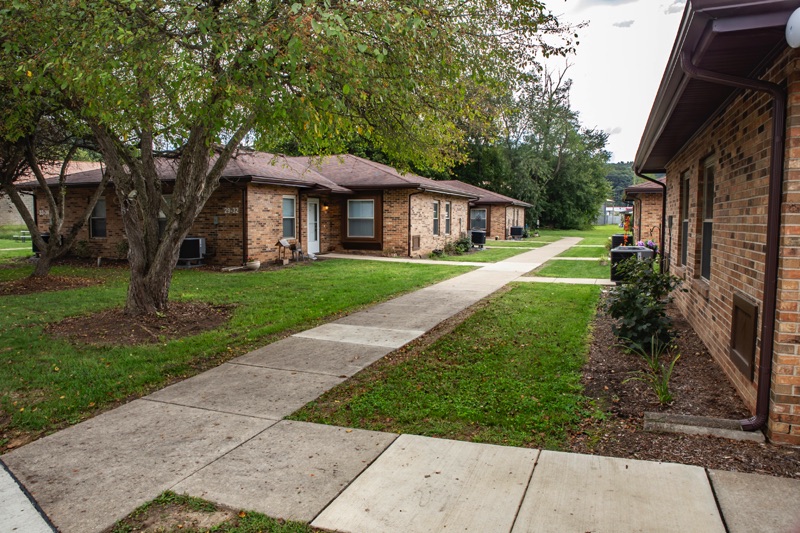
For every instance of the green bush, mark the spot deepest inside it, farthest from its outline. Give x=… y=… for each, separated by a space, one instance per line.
x=639 y=305
x=658 y=374
x=81 y=249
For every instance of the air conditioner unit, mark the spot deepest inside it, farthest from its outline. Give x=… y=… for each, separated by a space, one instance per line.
x=192 y=249
x=517 y=232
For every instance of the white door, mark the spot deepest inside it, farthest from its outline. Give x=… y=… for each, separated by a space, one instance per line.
x=313 y=226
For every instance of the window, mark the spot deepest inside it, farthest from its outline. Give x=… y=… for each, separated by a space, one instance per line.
x=684 y=238
x=477 y=219
x=436 y=218
x=361 y=218
x=448 y=208
x=289 y=217
x=707 y=214
x=97 y=221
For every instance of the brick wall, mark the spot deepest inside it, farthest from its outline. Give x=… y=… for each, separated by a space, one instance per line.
x=77 y=200
x=737 y=144
x=647 y=216
x=222 y=223
x=422 y=221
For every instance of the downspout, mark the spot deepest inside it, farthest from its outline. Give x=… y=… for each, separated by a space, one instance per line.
x=775 y=196
x=245 y=246
x=409 y=218
x=661 y=261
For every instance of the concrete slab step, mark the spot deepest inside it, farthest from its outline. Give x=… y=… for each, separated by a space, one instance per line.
x=90 y=475
x=291 y=471
x=421 y=484
x=371 y=336
x=574 y=492
x=314 y=356
x=248 y=390
x=752 y=502
x=18 y=513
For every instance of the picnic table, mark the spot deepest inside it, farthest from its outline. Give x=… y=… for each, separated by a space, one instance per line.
x=23 y=236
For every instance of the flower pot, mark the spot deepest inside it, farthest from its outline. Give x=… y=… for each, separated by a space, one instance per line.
x=252 y=265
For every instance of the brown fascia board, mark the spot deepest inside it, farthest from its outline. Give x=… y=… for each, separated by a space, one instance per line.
x=702 y=21
x=411 y=185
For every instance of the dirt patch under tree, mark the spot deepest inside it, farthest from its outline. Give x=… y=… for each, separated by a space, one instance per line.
x=114 y=327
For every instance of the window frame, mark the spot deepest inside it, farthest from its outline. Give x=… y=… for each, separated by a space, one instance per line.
x=292 y=218
x=349 y=218
x=94 y=218
x=683 y=255
x=436 y=218
x=448 y=214
x=706 y=217
x=485 y=218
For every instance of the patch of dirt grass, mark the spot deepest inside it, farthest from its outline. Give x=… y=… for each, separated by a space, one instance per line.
x=28 y=285
x=172 y=513
x=114 y=327
x=699 y=387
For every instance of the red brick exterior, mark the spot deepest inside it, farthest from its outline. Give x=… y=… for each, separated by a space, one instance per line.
x=500 y=218
x=647 y=216
x=246 y=220
x=737 y=144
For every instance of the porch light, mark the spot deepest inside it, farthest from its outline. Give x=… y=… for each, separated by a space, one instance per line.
x=793 y=29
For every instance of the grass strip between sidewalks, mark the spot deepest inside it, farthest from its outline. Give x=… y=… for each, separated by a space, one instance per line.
x=509 y=374
x=46 y=383
x=574 y=269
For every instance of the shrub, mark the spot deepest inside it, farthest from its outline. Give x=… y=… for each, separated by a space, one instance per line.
x=639 y=305
x=122 y=249
x=658 y=374
x=81 y=249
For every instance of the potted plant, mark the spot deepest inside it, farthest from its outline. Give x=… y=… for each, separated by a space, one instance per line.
x=252 y=263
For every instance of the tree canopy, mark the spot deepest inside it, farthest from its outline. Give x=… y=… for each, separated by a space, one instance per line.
x=541 y=154
x=190 y=80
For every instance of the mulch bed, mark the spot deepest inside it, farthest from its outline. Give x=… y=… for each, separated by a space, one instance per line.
x=28 y=285
x=699 y=388
x=114 y=327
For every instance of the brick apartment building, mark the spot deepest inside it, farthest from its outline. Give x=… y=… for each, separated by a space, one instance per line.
x=492 y=212
x=647 y=201
x=725 y=127
x=337 y=203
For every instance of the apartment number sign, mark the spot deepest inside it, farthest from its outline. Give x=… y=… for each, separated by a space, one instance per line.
x=230 y=210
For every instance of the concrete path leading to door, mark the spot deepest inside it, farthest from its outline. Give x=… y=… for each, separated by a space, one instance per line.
x=220 y=436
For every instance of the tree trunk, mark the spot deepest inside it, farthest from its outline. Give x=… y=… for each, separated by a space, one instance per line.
x=43 y=265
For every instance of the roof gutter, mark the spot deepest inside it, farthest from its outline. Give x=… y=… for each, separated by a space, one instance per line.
x=663 y=264
x=775 y=196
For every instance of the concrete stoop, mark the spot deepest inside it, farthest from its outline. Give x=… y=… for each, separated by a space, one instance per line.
x=700 y=425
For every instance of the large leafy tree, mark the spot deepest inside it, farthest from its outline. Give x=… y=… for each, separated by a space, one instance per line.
x=46 y=149
x=189 y=79
x=542 y=154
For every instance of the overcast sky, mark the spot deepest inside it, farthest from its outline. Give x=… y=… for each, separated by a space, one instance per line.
x=620 y=60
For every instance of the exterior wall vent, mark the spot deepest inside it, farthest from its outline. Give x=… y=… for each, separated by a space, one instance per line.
x=743 y=334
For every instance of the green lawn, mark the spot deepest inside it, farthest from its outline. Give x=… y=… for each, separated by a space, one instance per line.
x=510 y=374
x=585 y=252
x=10 y=249
x=574 y=269
x=46 y=382
x=8 y=232
x=596 y=235
x=487 y=255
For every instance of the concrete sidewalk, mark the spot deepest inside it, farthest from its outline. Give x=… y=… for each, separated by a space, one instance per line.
x=220 y=436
